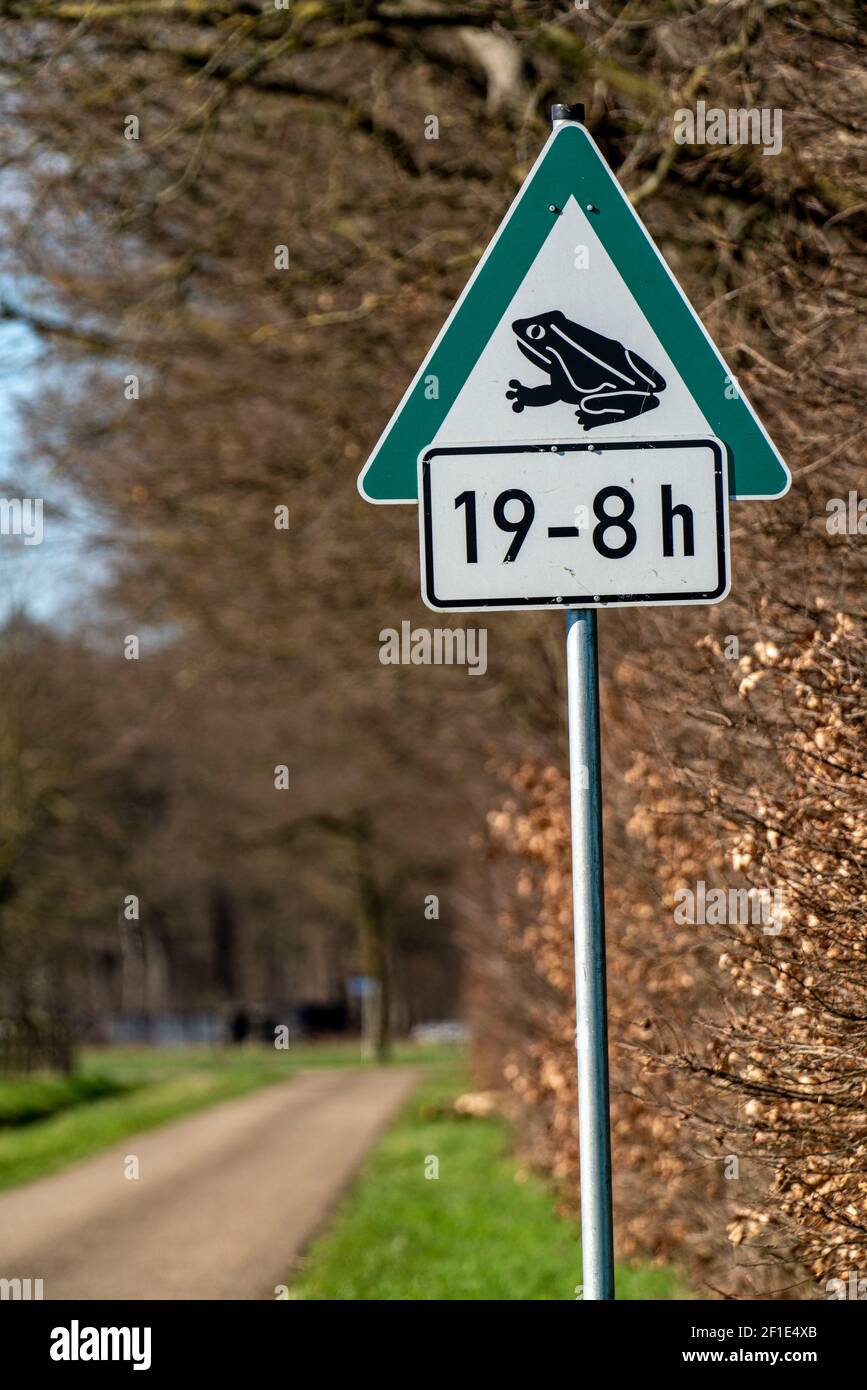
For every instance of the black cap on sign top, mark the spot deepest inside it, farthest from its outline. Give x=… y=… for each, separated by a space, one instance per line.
x=563 y=112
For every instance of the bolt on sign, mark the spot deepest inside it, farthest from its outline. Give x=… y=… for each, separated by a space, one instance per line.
x=573 y=435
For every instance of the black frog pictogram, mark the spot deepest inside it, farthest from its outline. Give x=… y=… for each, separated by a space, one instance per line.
x=608 y=382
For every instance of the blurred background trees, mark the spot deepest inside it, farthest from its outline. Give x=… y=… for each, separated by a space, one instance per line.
x=235 y=228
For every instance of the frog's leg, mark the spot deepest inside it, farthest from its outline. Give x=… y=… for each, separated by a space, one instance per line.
x=613 y=407
x=655 y=382
x=531 y=395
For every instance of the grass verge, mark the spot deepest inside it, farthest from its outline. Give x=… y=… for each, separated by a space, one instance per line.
x=483 y=1229
x=23 y=1102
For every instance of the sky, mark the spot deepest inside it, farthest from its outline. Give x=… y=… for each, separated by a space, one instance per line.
x=53 y=580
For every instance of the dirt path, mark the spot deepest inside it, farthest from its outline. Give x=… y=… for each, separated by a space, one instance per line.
x=224 y=1201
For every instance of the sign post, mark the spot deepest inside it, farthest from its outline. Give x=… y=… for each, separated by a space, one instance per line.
x=600 y=480
x=588 y=918
x=588 y=932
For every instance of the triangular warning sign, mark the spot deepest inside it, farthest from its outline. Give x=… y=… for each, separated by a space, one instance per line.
x=572 y=327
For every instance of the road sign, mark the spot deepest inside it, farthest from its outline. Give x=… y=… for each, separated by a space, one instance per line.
x=572 y=327
x=573 y=436
x=573 y=525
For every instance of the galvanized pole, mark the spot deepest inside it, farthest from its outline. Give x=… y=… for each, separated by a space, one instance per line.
x=588 y=916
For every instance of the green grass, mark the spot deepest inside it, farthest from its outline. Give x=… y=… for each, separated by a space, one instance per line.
x=51 y=1122
x=22 y=1102
x=475 y=1232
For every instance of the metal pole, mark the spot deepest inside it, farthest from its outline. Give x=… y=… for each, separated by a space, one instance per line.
x=588 y=923
x=588 y=913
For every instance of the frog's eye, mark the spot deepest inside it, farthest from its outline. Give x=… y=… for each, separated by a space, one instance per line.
x=535 y=331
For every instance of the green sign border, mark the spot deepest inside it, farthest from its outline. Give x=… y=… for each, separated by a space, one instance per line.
x=571 y=165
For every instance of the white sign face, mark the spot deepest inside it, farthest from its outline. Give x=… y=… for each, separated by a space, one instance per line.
x=572 y=327
x=573 y=525
x=594 y=364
